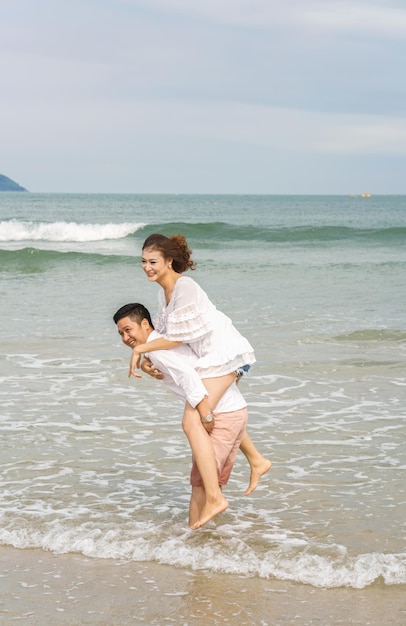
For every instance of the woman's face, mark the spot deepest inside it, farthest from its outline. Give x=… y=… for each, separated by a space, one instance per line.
x=154 y=265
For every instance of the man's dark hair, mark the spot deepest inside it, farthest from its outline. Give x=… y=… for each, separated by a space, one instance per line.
x=135 y=311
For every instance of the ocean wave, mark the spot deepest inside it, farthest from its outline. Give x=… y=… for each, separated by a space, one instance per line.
x=217 y=551
x=14 y=230
x=202 y=232
x=374 y=334
x=35 y=260
x=221 y=231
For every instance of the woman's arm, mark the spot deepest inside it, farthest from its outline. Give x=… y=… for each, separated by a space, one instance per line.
x=156 y=344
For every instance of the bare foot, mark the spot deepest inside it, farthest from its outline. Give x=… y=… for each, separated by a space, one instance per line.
x=256 y=472
x=209 y=511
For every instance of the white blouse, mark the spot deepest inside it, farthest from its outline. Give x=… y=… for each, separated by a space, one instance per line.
x=190 y=317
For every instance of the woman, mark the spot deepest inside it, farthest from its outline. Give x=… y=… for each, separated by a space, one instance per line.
x=186 y=315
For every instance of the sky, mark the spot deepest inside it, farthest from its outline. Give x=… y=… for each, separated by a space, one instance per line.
x=204 y=96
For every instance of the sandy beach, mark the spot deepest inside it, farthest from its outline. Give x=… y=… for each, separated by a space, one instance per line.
x=42 y=588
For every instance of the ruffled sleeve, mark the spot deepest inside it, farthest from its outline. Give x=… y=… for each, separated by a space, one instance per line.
x=187 y=316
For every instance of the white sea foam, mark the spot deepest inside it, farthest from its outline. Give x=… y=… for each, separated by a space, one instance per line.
x=14 y=230
x=290 y=560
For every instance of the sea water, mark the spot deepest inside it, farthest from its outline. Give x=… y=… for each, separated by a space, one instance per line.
x=97 y=464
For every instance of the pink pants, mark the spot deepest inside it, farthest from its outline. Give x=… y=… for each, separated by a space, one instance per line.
x=226 y=438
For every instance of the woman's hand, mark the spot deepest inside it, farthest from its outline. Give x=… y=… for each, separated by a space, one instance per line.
x=148 y=368
x=135 y=362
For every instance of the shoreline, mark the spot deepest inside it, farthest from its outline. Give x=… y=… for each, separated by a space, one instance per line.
x=45 y=589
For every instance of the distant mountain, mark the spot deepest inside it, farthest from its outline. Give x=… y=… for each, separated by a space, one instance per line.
x=6 y=184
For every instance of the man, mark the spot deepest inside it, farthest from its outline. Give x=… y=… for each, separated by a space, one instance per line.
x=226 y=429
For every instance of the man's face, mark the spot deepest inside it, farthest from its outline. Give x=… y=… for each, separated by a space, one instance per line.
x=132 y=333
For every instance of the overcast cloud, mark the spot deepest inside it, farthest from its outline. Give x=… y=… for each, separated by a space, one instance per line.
x=204 y=96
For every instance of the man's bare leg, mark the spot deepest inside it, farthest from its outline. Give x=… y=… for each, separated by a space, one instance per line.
x=259 y=464
x=203 y=454
x=197 y=502
x=210 y=498
x=207 y=513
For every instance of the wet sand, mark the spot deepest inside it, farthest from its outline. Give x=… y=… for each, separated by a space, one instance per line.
x=46 y=589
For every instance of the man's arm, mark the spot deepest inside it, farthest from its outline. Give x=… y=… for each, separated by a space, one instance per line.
x=180 y=377
x=148 y=367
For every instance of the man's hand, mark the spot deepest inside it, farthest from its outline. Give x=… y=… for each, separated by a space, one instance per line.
x=148 y=368
x=208 y=426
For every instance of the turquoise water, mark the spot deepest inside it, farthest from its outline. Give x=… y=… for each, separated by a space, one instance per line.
x=97 y=464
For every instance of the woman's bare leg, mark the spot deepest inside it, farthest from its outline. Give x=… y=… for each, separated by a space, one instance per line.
x=216 y=387
x=259 y=465
x=204 y=455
